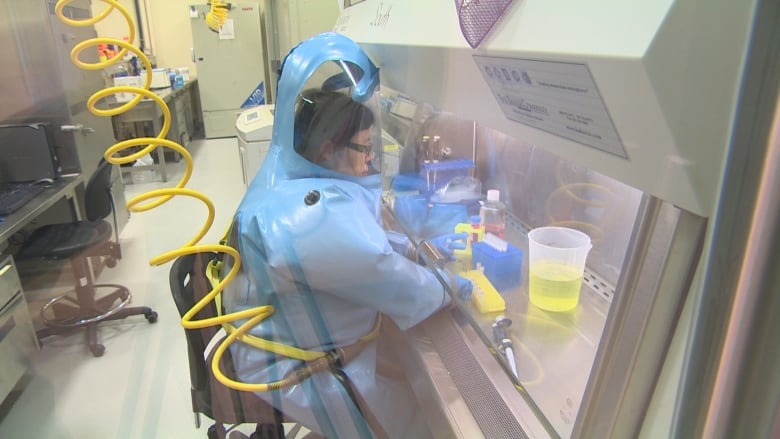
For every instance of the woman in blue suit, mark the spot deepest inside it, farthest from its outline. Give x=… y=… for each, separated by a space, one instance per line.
x=310 y=235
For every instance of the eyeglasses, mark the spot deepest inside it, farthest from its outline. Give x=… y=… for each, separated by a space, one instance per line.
x=365 y=149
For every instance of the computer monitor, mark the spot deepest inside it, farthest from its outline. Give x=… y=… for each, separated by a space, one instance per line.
x=27 y=153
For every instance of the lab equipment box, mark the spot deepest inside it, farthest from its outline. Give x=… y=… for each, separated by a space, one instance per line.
x=502 y=268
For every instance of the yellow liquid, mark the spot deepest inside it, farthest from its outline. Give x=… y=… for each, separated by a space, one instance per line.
x=554 y=287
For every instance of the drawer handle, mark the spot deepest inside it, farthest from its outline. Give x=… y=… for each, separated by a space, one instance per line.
x=10 y=309
x=6 y=328
x=4 y=269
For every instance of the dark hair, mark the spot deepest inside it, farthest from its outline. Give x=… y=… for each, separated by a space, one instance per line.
x=326 y=117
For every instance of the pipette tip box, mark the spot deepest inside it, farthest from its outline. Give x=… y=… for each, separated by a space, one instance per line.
x=484 y=296
x=502 y=268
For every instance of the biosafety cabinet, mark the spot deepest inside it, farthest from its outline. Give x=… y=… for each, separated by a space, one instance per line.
x=650 y=126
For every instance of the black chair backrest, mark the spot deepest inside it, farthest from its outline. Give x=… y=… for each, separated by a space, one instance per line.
x=188 y=285
x=97 y=198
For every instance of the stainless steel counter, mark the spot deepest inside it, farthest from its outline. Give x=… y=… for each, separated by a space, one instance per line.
x=466 y=385
x=460 y=386
x=179 y=102
x=554 y=351
x=64 y=187
x=584 y=373
x=17 y=336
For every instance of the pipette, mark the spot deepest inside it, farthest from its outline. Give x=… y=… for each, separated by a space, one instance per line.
x=425 y=152
x=434 y=155
x=503 y=342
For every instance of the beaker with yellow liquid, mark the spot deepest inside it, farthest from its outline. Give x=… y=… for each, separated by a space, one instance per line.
x=554 y=287
x=556 y=258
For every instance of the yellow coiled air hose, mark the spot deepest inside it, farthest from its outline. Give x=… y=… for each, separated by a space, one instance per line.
x=155 y=198
x=569 y=195
x=217 y=15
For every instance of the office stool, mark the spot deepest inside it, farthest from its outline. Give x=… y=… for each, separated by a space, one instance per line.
x=77 y=242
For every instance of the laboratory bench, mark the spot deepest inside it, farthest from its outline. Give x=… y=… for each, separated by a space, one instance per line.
x=62 y=188
x=466 y=385
x=146 y=120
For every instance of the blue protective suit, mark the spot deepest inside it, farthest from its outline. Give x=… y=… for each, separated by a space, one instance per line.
x=312 y=244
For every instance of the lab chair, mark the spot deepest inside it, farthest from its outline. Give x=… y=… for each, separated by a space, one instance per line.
x=78 y=242
x=210 y=397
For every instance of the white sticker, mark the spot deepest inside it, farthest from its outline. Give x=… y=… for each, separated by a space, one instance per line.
x=556 y=97
x=227 y=31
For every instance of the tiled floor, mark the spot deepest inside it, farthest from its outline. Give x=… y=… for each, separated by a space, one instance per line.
x=140 y=387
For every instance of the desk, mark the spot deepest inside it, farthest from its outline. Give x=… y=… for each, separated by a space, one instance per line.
x=64 y=187
x=184 y=122
x=19 y=342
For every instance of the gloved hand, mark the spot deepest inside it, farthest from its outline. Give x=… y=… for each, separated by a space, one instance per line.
x=447 y=244
x=464 y=287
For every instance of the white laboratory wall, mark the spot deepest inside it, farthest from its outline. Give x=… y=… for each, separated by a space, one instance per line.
x=297 y=20
x=165 y=26
x=288 y=22
x=114 y=25
x=167 y=34
x=171 y=37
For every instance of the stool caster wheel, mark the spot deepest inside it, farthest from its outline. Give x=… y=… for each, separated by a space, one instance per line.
x=97 y=350
x=151 y=316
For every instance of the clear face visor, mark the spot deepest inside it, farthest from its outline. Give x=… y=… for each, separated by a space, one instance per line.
x=334 y=131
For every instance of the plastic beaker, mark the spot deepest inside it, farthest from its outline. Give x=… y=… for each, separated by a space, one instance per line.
x=556 y=263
